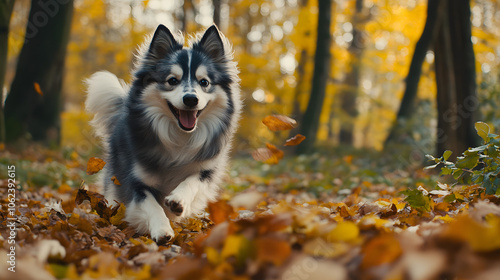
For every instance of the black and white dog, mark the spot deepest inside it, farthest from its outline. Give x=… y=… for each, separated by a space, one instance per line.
x=168 y=134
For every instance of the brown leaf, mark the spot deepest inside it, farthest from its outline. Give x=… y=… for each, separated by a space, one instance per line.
x=295 y=140
x=279 y=122
x=269 y=155
x=220 y=211
x=38 y=89
x=273 y=250
x=95 y=165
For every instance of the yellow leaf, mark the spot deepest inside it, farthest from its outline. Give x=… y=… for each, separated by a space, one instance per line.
x=344 y=231
x=279 y=122
x=118 y=217
x=213 y=255
x=482 y=237
x=38 y=89
x=236 y=246
x=95 y=165
x=294 y=141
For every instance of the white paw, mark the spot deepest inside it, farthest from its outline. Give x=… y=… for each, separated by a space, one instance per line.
x=161 y=232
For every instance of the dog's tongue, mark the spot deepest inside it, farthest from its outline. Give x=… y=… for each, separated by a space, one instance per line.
x=187 y=118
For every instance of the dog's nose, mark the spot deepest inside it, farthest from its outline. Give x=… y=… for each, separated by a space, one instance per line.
x=190 y=100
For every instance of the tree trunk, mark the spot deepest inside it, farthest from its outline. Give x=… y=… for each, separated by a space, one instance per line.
x=456 y=80
x=217 y=6
x=310 y=122
x=350 y=94
x=6 y=8
x=41 y=62
x=412 y=79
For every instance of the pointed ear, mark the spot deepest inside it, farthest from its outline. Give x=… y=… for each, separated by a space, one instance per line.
x=163 y=42
x=211 y=43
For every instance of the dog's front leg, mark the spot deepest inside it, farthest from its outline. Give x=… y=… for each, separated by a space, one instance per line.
x=146 y=215
x=192 y=194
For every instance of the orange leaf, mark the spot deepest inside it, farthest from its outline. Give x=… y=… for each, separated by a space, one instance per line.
x=95 y=165
x=115 y=181
x=269 y=155
x=295 y=140
x=273 y=250
x=279 y=122
x=382 y=249
x=38 y=89
x=220 y=211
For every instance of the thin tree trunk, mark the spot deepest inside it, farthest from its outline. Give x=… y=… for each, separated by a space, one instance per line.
x=41 y=62
x=217 y=7
x=310 y=123
x=434 y=10
x=6 y=8
x=350 y=95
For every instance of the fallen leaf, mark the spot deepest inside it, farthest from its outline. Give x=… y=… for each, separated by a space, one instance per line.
x=273 y=250
x=220 y=211
x=382 y=249
x=279 y=122
x=295 y=140
x=95 y=165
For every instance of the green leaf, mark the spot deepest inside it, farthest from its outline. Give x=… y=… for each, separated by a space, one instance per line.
x=482 y=130
x=417 y=200
x=447 y=154
x=469 y=161
x=488 y=185
x=446 y=171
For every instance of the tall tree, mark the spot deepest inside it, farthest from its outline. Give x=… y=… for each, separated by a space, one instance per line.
x=34 y=101
x=456 y=80
x=412 y=79
x=310 y=122
x=6 y=8
x=349 y=95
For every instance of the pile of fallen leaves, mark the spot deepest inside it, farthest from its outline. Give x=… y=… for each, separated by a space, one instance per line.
x=286 y=221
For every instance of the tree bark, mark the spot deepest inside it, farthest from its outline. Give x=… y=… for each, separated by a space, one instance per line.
x=413 y=78
x=350 y=94
x=217 y=7
x=41 y=61
x=6 y=8
x=310 y=122
x=456 y=81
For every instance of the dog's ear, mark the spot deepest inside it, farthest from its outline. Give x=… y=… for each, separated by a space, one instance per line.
x=163 y=43
x=211 y=43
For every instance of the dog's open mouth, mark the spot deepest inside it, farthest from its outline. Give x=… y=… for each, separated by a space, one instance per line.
x=186 y=118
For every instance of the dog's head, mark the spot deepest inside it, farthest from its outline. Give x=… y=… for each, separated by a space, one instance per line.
x=187 y=85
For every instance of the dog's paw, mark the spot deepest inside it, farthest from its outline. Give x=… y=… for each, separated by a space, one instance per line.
x=161 y=234
x=174 y=206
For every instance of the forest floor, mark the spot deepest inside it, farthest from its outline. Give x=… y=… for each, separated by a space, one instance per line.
x=337 y=215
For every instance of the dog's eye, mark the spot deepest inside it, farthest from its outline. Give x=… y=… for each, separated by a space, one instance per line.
x=173 y=81
x=204 y=83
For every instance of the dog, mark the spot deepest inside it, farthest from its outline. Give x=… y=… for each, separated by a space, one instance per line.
x=167 y=135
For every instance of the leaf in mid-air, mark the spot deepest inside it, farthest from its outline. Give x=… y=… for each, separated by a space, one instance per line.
x=294 y=141
x=95 y=165
x=279 y=122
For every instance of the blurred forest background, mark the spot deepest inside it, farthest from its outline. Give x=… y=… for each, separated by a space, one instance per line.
x=355 y=73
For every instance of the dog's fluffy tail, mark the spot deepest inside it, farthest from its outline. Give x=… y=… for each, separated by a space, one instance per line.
x=105 y=99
